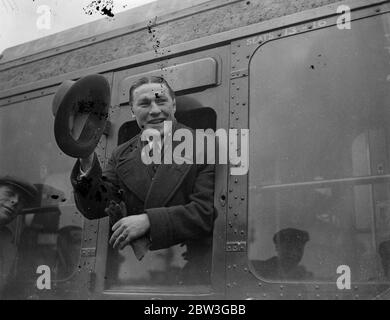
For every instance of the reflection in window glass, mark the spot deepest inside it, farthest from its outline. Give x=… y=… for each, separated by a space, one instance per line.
x=157 y=268
x=319 y=187
x=49 y=231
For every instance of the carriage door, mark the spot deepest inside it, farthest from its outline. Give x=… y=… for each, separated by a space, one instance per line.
x=50 y=234
x=318 y=183
x=200 y=92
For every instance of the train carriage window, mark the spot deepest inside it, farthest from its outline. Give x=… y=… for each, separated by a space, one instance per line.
x=319 y=163
x=187 y=265
x=48 y=232
x=165 y=267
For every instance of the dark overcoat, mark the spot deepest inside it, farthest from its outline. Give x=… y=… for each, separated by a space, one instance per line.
x=178 y=198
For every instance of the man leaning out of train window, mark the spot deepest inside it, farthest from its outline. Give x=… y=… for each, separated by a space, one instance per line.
x=151 y=206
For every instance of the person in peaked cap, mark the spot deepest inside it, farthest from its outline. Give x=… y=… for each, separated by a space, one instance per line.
x=15 y=194
x=291 y=235
x=289 y=245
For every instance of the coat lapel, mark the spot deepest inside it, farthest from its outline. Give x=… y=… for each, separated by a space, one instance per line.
x=167 y=180
x=133 y=172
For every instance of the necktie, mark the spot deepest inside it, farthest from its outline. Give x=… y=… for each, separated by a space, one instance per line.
x=154 y=166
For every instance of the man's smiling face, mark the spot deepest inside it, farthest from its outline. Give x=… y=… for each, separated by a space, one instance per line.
x=11 y=203
x=152 y=105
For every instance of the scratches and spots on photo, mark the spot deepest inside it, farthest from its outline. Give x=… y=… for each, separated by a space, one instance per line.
x=104 y=7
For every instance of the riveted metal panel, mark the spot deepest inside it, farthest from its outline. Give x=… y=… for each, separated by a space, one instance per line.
x=28 y=95
x=103 y=29
x=84 y=280
x=212 y=20
x=242 y=281
x=237 y=200
x=206 y=41
x=237 y=196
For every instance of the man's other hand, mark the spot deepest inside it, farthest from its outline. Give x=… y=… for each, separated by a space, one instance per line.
x=128 y=229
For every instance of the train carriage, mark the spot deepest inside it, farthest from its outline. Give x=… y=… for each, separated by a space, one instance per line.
x=309 y=84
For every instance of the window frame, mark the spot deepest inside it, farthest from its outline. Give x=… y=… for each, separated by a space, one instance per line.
x=119 y=116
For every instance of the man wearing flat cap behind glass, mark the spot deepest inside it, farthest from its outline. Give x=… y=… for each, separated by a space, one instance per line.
x=15 y=194
x=289 y=245
x=162 y=204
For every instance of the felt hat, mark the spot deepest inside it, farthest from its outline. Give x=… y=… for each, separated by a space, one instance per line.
x=81 y=110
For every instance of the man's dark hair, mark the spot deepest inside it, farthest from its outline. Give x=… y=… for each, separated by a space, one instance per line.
x=146 y=80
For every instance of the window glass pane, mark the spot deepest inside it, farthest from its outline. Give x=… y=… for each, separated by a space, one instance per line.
x=162 y=267
x=319 y=129
x=48 y=232
x=312 y=231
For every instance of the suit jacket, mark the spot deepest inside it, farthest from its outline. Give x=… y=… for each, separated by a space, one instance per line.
x=178 y=199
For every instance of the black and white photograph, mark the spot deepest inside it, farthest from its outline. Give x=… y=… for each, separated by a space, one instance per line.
x=208 y=152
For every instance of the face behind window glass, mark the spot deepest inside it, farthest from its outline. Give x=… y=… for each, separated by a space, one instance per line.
x=11 y=203
x=43 y=235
